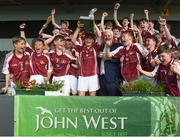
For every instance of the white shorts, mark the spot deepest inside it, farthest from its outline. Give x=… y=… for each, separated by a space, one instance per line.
x=90 y=83
x=38 y=78
x=66 y=79
x=73 y=84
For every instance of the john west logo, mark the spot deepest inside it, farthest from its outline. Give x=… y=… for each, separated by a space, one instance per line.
x=45 y=119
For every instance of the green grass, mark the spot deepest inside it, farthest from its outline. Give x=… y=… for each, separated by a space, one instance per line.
x=142 y=86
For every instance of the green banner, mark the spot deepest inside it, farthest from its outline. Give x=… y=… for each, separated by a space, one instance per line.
x=96 y=116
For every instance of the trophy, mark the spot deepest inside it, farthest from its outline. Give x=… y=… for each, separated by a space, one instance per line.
x=86 y=22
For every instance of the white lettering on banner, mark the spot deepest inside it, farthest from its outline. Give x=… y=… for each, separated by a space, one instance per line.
x=49 y=122
x=105 y=121
x=46 y=119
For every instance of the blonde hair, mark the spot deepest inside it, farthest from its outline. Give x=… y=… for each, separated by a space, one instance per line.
x=17 y=39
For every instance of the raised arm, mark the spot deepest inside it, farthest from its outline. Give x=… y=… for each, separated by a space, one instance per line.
x=49 y=40
x=146 y=12
x=53 y=11
x=116 y=7
x=131 y=19
x=105 y=14
x=162 y=22
x=139 y=36
x=98 y=33
x=75 y=35
x=49 y=19
x=22 y=28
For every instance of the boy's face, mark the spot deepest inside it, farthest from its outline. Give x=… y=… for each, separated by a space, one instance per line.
x=63 y=26
x=108 y=36
x=20 y=46
x=165 y=58
x=144 y=25
x=151 y=25
x=126 y=39
x=150 y=43
x=116 y=32
x=88 y=41
x=69 y=44
x=125 y=22
x=39 y=47
x=59 y=43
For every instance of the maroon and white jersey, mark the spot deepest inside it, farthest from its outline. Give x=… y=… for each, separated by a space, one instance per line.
x=88 y=60
x=65 y=33
x=73 y=71
x=19 y=68
x=145 y=61
x=168 y=78
x=40 y=64
x=60 y=63
x=29 y=49
x=173 y=41
x=129 y=60
x=122 y=29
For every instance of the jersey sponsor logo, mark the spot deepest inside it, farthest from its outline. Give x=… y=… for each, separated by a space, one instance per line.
x=14 y=65
x=42 y=62
x=58 y=65
x=26 y=62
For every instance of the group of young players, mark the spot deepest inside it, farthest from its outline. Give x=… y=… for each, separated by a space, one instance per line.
x=101 y=59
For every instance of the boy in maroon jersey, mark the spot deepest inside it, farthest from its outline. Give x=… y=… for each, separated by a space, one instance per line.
x=39 y=62
x=129 y=55
x=150 y=61
x=88 y=67
x=64 y=30
x=16 y=65
x=73 y=70
x=61 y=60
x=167 y=72
x=125 y=20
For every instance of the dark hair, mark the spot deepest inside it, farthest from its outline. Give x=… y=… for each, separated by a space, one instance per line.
x=126 y=18
x=143 y=20
x=56 y=28
x=59 y=37
x=153 y=37
x=163 y=49
x=17 y=39
x=116 y=27
x=89 y=35
x=36 y=40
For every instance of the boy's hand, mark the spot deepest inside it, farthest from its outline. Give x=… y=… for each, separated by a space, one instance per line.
x=4 y=89
x=53 y=11
x=116 y=6
x=146 y=11
x=173 y=68
x=131 y=15
x=22 y=26
x=105 y=14
x=138 y=67
x=162 y=21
